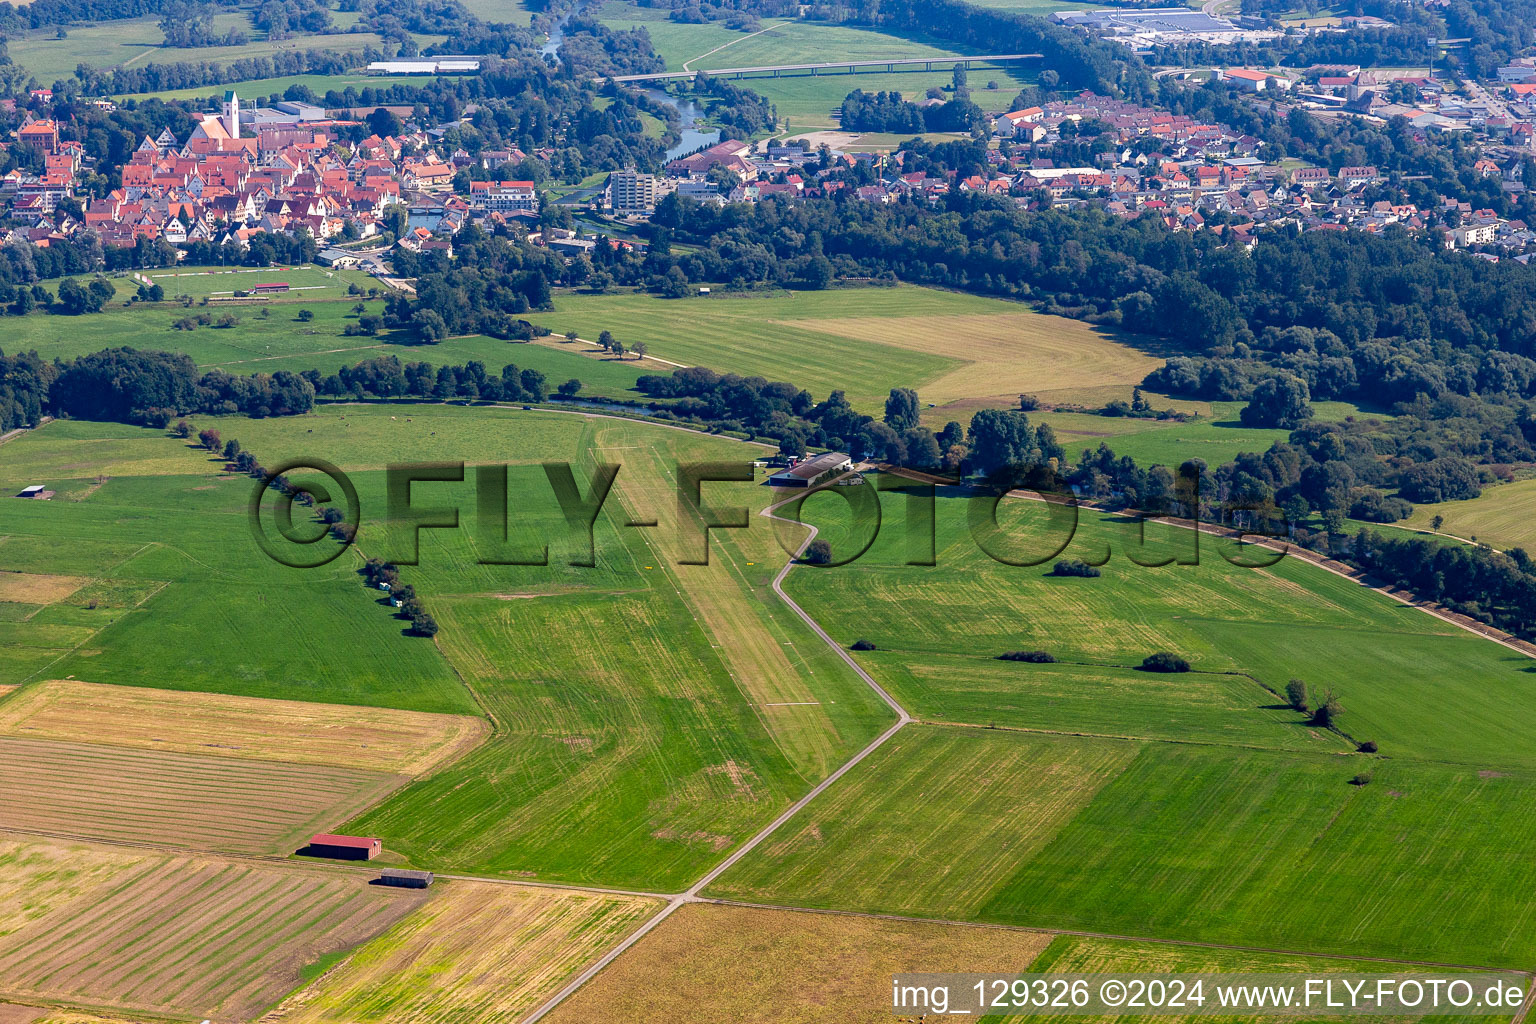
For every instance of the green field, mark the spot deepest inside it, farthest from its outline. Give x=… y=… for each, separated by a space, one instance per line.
x=1393 y=667
x=957 y=350
x=651 y=715
x=1216 y=438
x=1215 y=844
x=270 y=337
x=134 y=41
x=1504 y=515
x=806 y=100
x=179 y=596
x=1233 y=816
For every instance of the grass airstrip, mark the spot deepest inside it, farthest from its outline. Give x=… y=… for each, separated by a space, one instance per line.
x=629 y=723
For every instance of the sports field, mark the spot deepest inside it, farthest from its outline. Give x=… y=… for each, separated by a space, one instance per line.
x=707 y=964
x=384 y=740
x=951 y=347
x=93 y=791
x=187 y=937
x=476 y=953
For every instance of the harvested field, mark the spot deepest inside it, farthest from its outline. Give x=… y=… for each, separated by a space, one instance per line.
x=36 y=877
x=381 y=739
x=34 y=588
x=10 y=1013
x=475 y=954
x=215 y=803
x=195 y=936
x=1003 y=353
x=706 y=964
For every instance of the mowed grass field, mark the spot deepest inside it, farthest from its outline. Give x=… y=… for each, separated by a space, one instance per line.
x=966 y=804
x=1180 y=841
x=1504 y=516
x=1076 y=954
x=651 y=715
x=180 y=597
x=93 y=791
x=1394 y=668
x=475 y=953
x=953 y=348
x=188 y=937
x=706 y=964
x=382 y=739
x=135 y=41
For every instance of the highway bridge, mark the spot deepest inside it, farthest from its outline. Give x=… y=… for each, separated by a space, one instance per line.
x=849 y=67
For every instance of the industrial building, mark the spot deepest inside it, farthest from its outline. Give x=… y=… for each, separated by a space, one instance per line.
x=404 y=878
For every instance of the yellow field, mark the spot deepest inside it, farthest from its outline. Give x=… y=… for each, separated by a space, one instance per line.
x=167 y=798
x=1503 y=515
x=32 y=588
x=378 y=739
x=1005 y=354
x=176 y=935
x=706 y=964
x=37 y=876
x=476 y=953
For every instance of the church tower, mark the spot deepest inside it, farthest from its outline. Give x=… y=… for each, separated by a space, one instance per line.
x=232 y=114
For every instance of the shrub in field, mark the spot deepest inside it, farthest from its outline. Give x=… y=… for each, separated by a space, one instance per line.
x=863 y=645
x=1164 y=661
x=1363 y=779
x=1296 y=694
x=1327 y=710
x=1368 y=747
x=1068 y=567
x=818 y=552
x=1034 y=657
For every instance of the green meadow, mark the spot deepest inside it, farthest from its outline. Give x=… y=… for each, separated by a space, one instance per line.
x=1394 y=669
x=133 y=41
x=1088 y=795
x=669 y=709
x=173 y=592
x=1169 y=841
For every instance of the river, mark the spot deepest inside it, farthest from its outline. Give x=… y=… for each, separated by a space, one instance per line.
x=690 y=140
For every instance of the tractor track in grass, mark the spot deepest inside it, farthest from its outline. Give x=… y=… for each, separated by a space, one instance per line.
x=691 y=895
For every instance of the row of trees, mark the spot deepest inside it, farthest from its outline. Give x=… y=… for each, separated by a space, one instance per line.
x=131 y=386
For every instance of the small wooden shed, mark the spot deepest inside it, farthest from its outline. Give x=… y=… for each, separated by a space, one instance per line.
x=405 y=878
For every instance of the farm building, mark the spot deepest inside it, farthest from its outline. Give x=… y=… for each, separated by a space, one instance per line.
x=812 y=471
x=35 y=491
x=270 y=288
x=405 y=878
x=344 y=847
